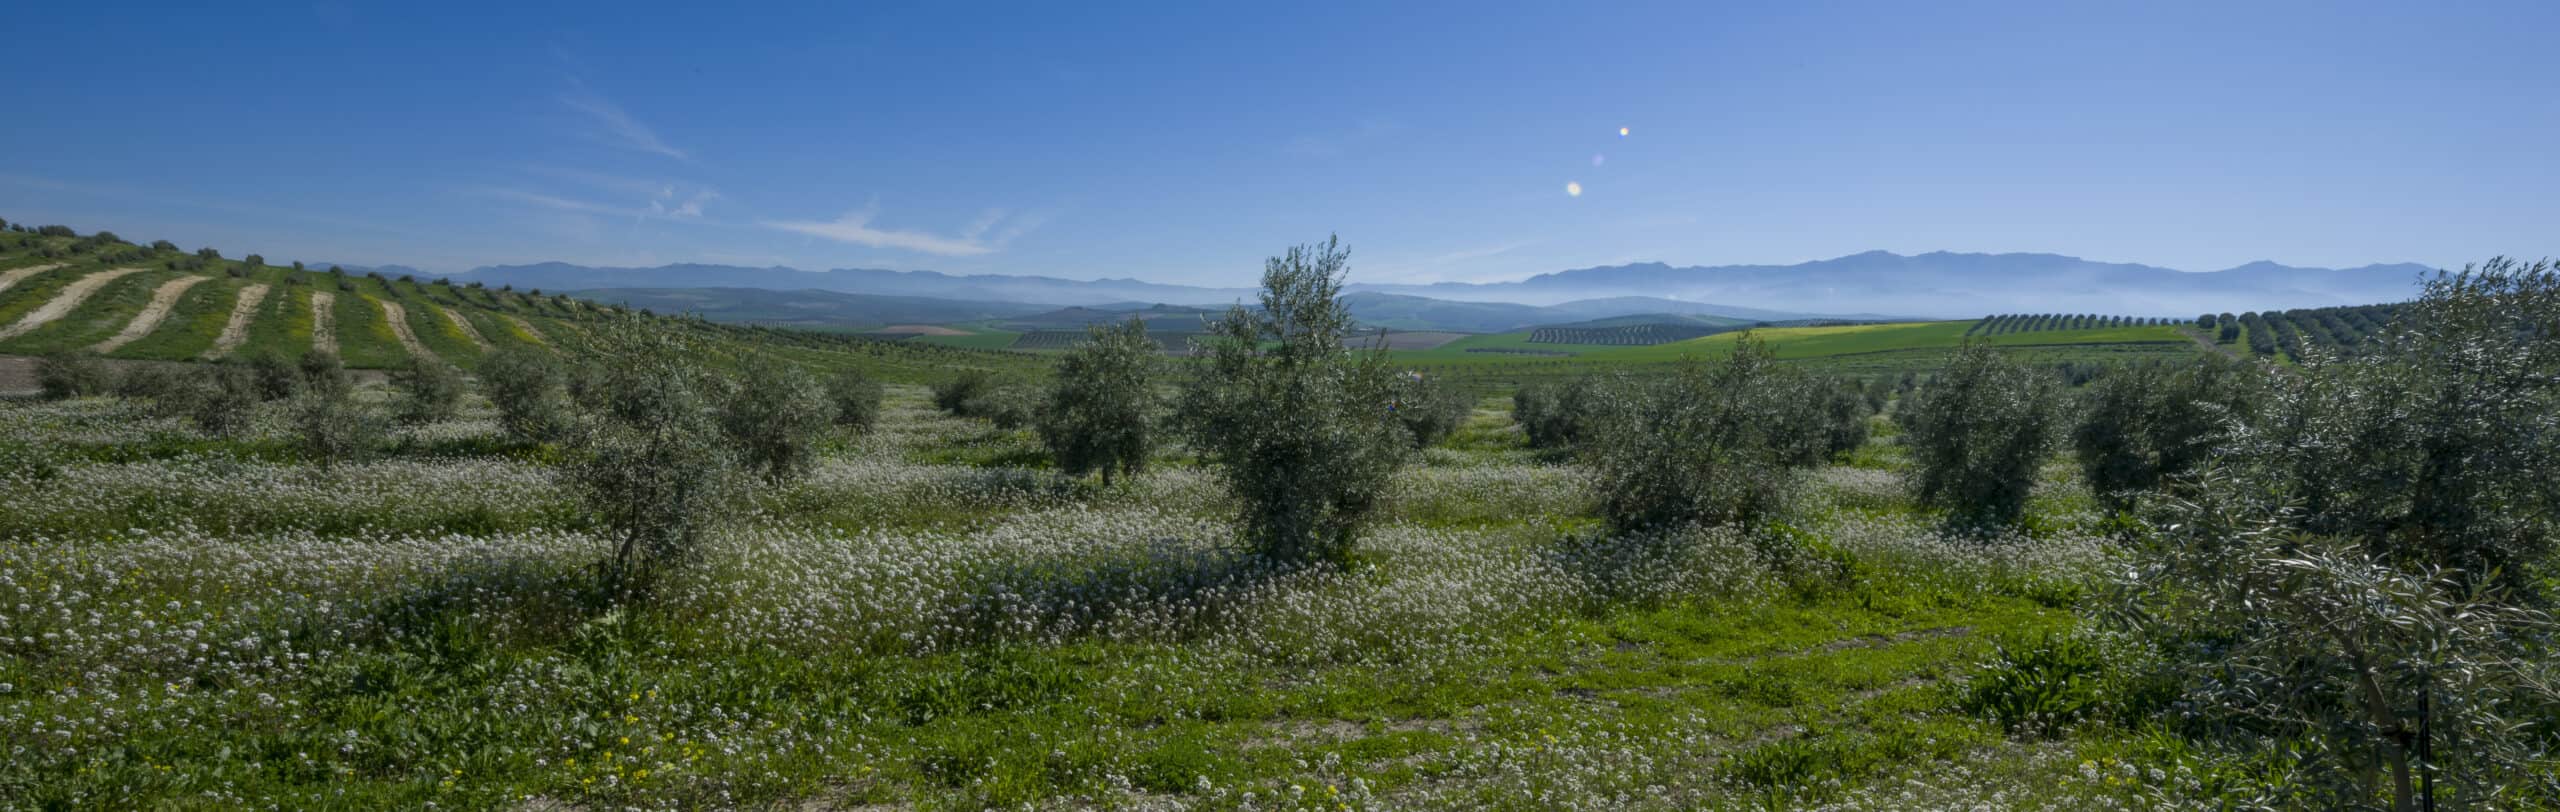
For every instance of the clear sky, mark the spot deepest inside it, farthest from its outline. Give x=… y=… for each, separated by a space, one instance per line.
x=1184 y=143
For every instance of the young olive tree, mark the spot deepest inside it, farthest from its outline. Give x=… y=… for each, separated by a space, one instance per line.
x=1430 y=409
x=1977 y=435
x=1556 y=414
x=76 y=374
x=856 y=397
x=221 y=398
x=322 y=372
x=774 y=414
x=1715 y=443
x=529 y=389
x=333 y=427
x=653 y=468
x=430 y=391
x=1295 y=421
x=1100 y=414
x=2143 y=426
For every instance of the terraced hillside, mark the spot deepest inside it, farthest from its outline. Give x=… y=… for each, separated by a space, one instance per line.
x=65 y=293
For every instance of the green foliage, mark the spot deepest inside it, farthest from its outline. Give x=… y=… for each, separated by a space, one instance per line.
x=324 y=374
x=774 y=414
x=952 y=395
x=1718 y=442
x=165 y=386
x=73 y=374
x=1978 y=433
x=2039 y=683
x=277 y=378
x=221 y=398
x=1100 y=414
x=1556 y=414
x=2435 y=446
x=1429 y=407
x=2143 y=426
x=1295 y=422
x=529 y=389
x=330 y=425
x=430 y=391
x=1008 y=406
x=654 y=469
x=856 y=397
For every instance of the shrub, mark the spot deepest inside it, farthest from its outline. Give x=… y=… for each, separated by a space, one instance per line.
x=333 y=428
x=277 y=379
x=430 y=391
x=529 y=389
x=223 y=397
x=1295 y=423
x=2038 y=684
x=856 y=397
x=323 y=373
x=1714 y=443
x=654 y=470
x=1008 y=406
x=74 y=374
x=953 y=394
x=1100 y=413
x=1846 y=405
x=774 y=414
x=1555 y=414
x=2143 y=426
x=1429 y=409
x=165 y=386
x=1977 y=434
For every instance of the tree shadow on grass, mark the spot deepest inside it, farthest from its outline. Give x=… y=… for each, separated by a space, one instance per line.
x=1167 y=588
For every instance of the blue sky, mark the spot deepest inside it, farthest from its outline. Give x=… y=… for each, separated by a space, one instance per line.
x=1185 y=142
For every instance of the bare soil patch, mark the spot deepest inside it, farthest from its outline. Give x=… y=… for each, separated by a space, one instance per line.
x=527 y=327
x=399 y=318
x=324 y=324
x=65 y=302
x=10 y=278
x=163 y=300
x=236 y=331
x=464 y=325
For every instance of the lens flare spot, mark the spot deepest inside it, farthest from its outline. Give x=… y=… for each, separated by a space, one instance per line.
x=1622 y=132
x=1573 y=188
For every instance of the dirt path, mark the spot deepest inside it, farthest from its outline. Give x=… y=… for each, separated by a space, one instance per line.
x=66 y=301
x=464 y=324
x=236 y=331
x=324 y=322
x=527 y=327
x=11 y=278
x=399 y=318
x=163 y=300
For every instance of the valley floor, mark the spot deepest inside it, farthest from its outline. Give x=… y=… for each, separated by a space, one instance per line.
x=932 y=620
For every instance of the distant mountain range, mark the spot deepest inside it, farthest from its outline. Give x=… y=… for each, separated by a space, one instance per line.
x=1938 y=285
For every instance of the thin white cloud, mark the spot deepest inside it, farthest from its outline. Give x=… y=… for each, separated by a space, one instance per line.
x=856 y=228
x=618 y=126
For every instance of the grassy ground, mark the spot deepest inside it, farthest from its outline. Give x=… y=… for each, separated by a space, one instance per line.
x=932 y=619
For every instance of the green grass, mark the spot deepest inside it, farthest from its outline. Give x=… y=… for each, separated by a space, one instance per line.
x=107 y=310
x=192 y=326
x=982 y=338
x=283 y=324
x=365 y=340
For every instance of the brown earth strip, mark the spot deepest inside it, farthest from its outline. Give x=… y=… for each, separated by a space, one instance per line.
x=163 y=299
x=399 y=318
x=62 y=305
x=10 y=278
x=324 y=326
x=527 y=327
x=464 y=324
x=236 y=331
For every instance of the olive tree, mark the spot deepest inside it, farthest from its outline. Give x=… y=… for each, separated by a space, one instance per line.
x=1429 y=409
x=429 y=391
x=856 y=397
x=1717 y=442
x=1978 y=433
x=529 y=388
x=333 y=427
x=774 y=414
x=1100 y=413
x=75 y=374
x=221 y=398
x=1294 y=421
x=2143 y=426
x=1556 y=414
x=653 y=468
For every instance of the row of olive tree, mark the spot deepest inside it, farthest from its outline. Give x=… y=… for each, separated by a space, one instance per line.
x=2345 y=566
